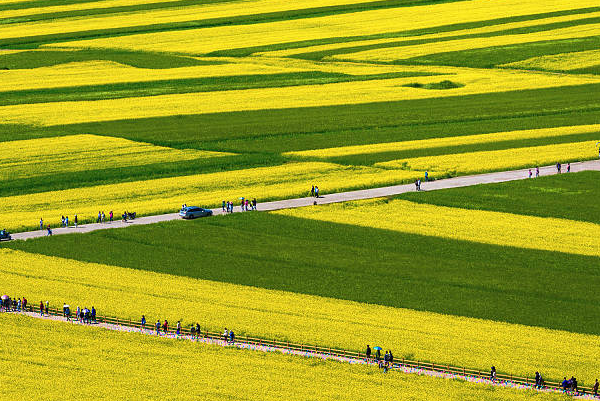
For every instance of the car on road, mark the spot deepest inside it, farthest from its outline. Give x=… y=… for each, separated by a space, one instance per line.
x=5 y=235
x=192 y=212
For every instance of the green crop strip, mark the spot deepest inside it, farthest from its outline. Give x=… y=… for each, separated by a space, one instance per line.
x=549 y=196
x=322 y=127
x=209 y=84
x=36 y=59
x=432 y=274
x=493 y=56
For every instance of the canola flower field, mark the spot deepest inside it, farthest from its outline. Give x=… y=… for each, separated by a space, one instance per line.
x=146 y=105
x=215 y=374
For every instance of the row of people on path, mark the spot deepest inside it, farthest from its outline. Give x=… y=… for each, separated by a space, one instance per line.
x=314 y=191
x=558 y=170
x=246 y=205
x=9 y=304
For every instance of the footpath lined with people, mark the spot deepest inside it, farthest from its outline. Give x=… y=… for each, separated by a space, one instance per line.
x=317 y=197
x=228 y=338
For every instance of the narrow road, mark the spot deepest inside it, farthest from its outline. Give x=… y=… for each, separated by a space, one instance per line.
x=308 y=353
x=463 y=181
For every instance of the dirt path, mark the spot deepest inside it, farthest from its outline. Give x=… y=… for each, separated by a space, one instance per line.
x=307 y=354
x=456 y=182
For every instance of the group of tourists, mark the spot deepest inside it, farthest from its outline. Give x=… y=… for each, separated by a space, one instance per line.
x=102 y=217
x=84 y=315
x=9 y=304
x=385 y=364
x=64 y=221
x=314 y=191
x=246 y=205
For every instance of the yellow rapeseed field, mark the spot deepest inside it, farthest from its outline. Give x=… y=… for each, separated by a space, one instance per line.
x=45 y=156
x=405 y=52
x=298 y=318
x=473 y=31
x=531 y=232
x=560 y=62
x=445 y=141
x=494 y=160
x=65 y=361
x=475 y=81
x=200 y=41
x=167 y=194
x=161 y=16
x=91 y=5
x=107 y=72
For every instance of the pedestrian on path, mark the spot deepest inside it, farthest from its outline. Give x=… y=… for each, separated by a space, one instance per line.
x=368 y=353
x=99 y=217
x=166 y=326
x=254 y=204
x=419 y=183
x=312 y=191
x=568 y=167
x=416 y=185
x=67 y=221
x=157 y=326
x=41 y=308
x=178 y=327
x=75 y=221
x=316 y=191
x=93 y=314
x=110 y=216
x=426 y=176
x=223 y=205
x=537 y=172
x=62 y=221
x=143 y=323
x=225 y=334
x=103 y=217
x=197 y=330
x=558 y=167
x=41 y=224
x=231 y=336
x=493 y=374
x=47 y=306
x=595 y=388
x=49 y=233
x=530 y=173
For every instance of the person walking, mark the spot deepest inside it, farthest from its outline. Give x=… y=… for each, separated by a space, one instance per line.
x=426 y=176
x=103 y=217
x=143 y=323
x=595 y=388
x=110 y=216
x=312 y=191
x=47 y=306
x=558 y=167
x=568 y=167
x=93 y=314
x=41 y=308
x=416 y=185
x=225 y=334
x=99 y=217
x=166 y=327
x=419 y=183
x=49 y=233
x=41 y=224
x=75 y=221
x=493 y=374
x=537 y=380
x=157 y=326
x=223 y=205
x=537 y=172
x=316 y=191
x=178 y=328
x=368 y=353
x=530 y=173
x=67 y=221
x=254 y=204
x=62 y=221
x=231 y=336
x=197 y=330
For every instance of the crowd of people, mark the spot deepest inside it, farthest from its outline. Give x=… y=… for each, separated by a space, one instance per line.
x=246 y=205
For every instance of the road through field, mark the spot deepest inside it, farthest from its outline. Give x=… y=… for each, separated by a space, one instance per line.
x=455 y=182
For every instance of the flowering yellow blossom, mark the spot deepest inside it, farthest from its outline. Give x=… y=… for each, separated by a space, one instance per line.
x=550 y=234
x=560 y=62
x=298 y=318
x=472 y=162
x=159 y=16
x=204 y=40
x=473 y=31
x=108 y=72
x=475 y=81
x=134 y=366
x=446 y=141
x=405 y=52
x=44 y=156
x=166 y=194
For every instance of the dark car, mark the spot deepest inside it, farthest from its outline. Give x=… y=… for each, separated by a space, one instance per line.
x=5 y=235
x=192 y=212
